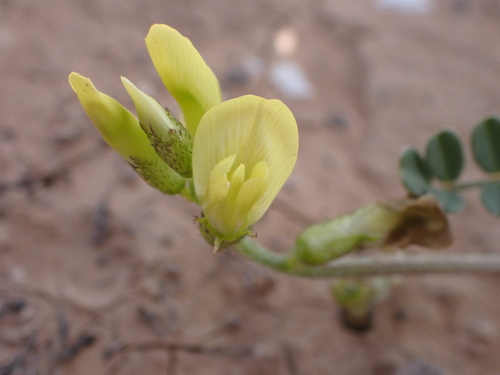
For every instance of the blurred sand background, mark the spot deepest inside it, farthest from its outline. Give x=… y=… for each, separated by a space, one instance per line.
x=100 y=274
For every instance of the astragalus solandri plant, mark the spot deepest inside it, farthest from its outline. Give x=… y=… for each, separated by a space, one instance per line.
x=232 y=158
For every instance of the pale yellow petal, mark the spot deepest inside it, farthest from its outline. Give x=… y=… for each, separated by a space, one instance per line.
x=218 y=182
x=184 y=73
x=224 y=217
x=255 y=130
x=148 y=109
x=115 y=123
x=250 y=193
x=261 y=169
x=237 y=178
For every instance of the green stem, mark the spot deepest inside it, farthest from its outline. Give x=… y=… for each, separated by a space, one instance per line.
x=373 y=265
x=470 y=184
x=189 y=193
x=260 y=254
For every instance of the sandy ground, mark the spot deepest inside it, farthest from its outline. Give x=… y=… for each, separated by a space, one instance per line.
x=100 y=274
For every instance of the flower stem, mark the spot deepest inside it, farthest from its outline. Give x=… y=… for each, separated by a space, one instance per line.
x=471 y=184
x=189 y=193
x=374 y=265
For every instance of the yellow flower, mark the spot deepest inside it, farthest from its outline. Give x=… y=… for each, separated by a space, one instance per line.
x=239 y=153
x=244 y=151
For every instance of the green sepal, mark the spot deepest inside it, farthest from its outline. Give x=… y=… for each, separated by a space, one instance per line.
x=395 y=223
x=324 y=242
x=217 y=240
x=167 y=135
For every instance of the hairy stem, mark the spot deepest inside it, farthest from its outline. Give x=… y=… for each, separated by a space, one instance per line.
x=373 y=265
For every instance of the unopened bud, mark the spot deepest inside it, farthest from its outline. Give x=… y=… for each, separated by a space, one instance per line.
x=356 y=298
x=396 y=223
x=167 y=135
x=121 y=130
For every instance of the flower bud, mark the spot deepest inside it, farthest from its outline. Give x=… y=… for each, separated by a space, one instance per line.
x=356 y=298
x=121 y=130
x=244 y=150
x=396 y=223
x=167 y=135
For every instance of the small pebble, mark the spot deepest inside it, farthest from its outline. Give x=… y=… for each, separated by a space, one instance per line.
x=102 y=260
x=5 y=35
x=16 y=306
x=167 y=241
x=240 y=75
x=384 y=368
x=8 y=134
x=420 y=367
x=237 y=76
x=460 y=6
x=259 y=284
x=336 y=121
x=13 y=307
x=232 y=322
x=18 y=274
x=289 y=78
x=484 y=331
x=400 y=315
x=406 y=6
